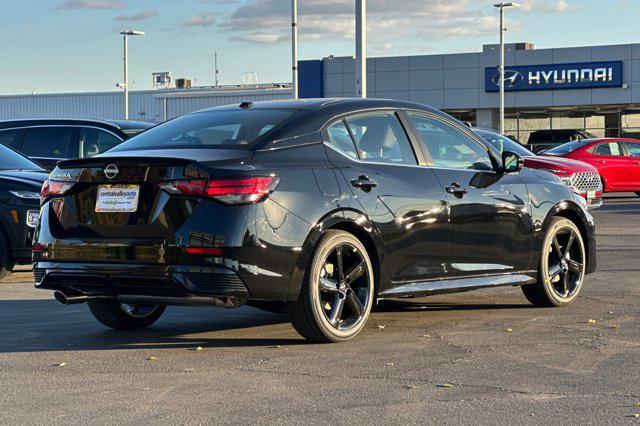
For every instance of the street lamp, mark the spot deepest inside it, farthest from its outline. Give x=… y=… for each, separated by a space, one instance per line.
x=125 y=34
x=502 y=7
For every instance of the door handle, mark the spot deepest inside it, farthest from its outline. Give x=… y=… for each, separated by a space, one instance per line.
x=600 y=161
x=637 y=163
x=456 y=189
x=363 y=182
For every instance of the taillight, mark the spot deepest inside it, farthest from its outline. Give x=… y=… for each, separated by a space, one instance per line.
x=231 y=191
x=52 y=188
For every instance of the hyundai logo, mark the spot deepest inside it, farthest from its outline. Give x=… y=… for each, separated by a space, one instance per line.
x=111 y=171
x=511 y=79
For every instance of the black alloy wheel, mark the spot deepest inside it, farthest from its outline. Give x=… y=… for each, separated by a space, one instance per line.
x=338 y=292
x=562 y=266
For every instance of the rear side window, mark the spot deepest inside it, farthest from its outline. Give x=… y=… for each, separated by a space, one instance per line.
x=380 y=138
x=50 y=142
x=236 y=129
x=340 y=138
x=633 y=148
x=565 y=148
x=95 y=141
x=609 y=149
x=10 y=137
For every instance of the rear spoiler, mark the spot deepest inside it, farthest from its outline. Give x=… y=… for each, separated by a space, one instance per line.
x=125 y=161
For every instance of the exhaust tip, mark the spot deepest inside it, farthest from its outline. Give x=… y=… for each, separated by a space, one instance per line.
x=60 y=297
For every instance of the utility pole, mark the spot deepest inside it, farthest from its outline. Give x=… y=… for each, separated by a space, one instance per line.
x=294 y=48
x=361 y=48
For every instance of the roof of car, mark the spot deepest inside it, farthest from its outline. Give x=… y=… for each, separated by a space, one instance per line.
x=320 y=103
x=120 y=124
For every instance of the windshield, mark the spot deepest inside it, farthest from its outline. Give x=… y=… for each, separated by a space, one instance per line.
x=236 y=129
x=11 y=160
x=503 y=143
x=565 y=148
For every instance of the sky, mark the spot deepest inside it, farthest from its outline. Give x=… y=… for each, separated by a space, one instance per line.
x=52 y=46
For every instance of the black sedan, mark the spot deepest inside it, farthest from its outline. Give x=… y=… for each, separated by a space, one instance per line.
x=20 y=182
x=320 y=206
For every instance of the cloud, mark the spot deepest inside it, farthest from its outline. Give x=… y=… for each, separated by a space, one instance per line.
x=201 y=20
x=142 y=16
x=546 y=6
x=92 y=4
x=388 y=21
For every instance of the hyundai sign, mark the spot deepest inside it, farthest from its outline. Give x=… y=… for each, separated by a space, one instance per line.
x=585 y=75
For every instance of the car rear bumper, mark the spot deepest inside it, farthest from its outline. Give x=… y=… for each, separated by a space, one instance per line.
x=158 y=284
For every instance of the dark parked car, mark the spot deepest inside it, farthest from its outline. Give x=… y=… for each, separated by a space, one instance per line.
x=323 y=206
x=541 y=140
x=47 y=141
x=20 y=183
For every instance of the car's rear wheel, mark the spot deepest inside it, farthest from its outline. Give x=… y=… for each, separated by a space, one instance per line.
x=562 y=266
x=123 y=316
x=338 y=291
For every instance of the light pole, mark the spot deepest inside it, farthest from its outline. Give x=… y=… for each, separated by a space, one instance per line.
x=361 y=48
x=125 y=34
x=502 y=7
x=294 y=48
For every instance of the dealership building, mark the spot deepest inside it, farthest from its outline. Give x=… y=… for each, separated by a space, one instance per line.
x=593 y=88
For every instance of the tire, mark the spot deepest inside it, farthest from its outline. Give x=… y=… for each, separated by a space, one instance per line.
x=115 y=314
x=6 y=257
x=334 y=303
x=562 y=266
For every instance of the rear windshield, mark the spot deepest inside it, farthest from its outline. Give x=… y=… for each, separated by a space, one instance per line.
x=564 y=148
x=236 y=129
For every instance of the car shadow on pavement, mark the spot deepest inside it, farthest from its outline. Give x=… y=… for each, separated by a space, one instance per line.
x=417 y=305
x=44 y=325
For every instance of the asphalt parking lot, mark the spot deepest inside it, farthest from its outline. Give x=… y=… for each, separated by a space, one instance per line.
x=485 y=357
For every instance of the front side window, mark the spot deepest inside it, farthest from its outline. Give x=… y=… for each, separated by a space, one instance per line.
x=608 y=149
x=234 y=129
x=448 y=146
x=47 y=142
x=633 y=148
x=340 y=138
x=95 y=141
x=380 y=138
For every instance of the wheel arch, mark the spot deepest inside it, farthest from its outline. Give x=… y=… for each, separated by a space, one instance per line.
x=573 y=212
x=349 y=220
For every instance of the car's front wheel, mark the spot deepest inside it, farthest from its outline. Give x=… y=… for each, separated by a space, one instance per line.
x=123 y=316
x=338 y=291
x=562 y=266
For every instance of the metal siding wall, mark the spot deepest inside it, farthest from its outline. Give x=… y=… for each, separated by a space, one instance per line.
x=144 y=105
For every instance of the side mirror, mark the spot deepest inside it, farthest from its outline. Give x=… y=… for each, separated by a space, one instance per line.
x=511 y=162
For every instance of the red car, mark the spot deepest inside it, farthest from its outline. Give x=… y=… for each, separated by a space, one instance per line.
x=617 y=160
x=583 y=177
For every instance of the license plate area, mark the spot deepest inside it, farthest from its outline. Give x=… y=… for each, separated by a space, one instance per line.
x=117 y=198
